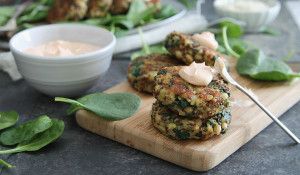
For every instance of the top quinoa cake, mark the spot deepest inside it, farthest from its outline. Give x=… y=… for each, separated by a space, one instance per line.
x=187 y=49
x=142 y=70
x=189 y=100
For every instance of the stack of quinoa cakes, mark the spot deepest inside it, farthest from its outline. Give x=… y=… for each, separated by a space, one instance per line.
x=182 y=110
x=185 y=111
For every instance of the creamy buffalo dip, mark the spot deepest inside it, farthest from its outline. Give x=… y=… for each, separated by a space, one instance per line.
x=60 y=48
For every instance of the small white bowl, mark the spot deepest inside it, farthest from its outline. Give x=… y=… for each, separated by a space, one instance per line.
x=63 y=76
x=255 y=20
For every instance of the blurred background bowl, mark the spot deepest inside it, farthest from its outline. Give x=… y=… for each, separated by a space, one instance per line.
x=255 y=20
x=63 y=76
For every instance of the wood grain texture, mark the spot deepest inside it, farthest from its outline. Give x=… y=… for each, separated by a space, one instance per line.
x=138 y=132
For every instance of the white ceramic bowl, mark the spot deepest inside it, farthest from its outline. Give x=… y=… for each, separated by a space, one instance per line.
x=255 y=20
x=63 y=76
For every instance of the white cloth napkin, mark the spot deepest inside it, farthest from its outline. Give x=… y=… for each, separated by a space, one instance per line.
x=7 y=64
x=192 y=22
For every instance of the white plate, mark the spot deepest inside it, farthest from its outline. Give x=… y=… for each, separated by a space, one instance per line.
x=180 y=9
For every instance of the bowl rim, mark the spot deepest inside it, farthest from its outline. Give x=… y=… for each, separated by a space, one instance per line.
x=32 y=57
x=277 y=4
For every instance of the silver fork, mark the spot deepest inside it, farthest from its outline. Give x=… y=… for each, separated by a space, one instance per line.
x=221 y=68
x=11 y=25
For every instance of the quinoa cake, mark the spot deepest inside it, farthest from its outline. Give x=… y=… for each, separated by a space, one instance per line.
x=67 y=10
x=98 y=8
x=187 y=49
x=120 y=6
x=178 y=127
x=142 y=70
x=189 y=100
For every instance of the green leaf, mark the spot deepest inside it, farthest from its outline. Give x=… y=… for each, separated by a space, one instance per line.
x=136 y=8
x=46 y=2
x=36 y=12
x=165 y=12
x=25 y=26
x=233 y=30
x=25 y=131
x=123 y=21
x=159 y=48
x=255 y=64
x=97 y=21
x=140 y=13
x=5 y=164
x=120 y=32
x=41 y=140
x=6 y=12
x=8 y=119
x=239 y=46
x=270 y=31
x=146 y=50
x=189 y=3
x=226 y=43
x=115 y=106
x=228 y=34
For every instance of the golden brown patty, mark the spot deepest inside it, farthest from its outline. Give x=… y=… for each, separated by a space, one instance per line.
x=184 y=48
x=189 y=100
x=67 y=10
x=180 y=128
x=98 y=8
x=142 y=70
x=120 y=6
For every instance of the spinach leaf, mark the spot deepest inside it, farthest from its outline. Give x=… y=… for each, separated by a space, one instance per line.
x=25 y=131
x=140 y=13
x=5 y=164
x=159 y=48
x=228 y=34
x=270 y=31
x=189 y=3
x=226 y=43
x=122 y=21
x=233 y=30
x=115 y=106
x=119 y=32
x=39 y=12
x=146 y=50
x=8 y=119
x=97 y=21
x=40 y=140
x=5 y=13
x=255 y=64
x=165 y=12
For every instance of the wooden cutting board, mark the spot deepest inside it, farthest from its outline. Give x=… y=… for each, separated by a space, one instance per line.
x=138 y=132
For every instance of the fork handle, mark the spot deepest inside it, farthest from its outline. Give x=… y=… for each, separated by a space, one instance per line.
x=278 y=122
